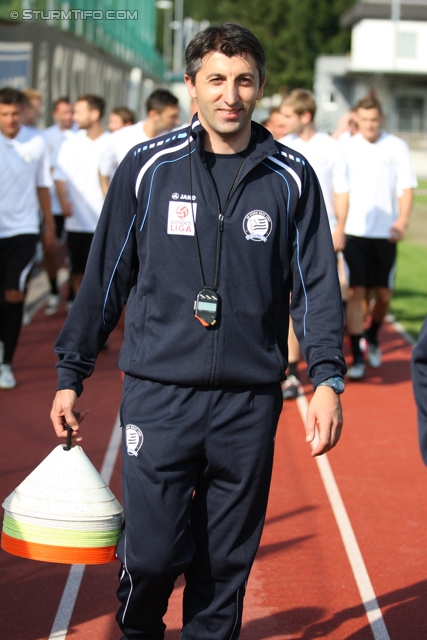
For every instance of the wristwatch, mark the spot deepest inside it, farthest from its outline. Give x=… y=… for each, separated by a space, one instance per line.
x=336 y=383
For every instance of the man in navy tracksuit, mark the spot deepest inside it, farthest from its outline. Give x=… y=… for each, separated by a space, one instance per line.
x=204 y=233
x=419 y=379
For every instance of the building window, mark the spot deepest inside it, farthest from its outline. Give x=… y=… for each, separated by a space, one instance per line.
x=407 y=45
x=328 y=101
x=410 y=114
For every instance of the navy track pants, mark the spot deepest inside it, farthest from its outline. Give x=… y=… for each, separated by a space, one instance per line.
x=196 y=474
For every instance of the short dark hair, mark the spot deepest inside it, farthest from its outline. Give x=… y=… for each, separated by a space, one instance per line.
x=8 y=95
x=228 y=38
x=160 y=99
x=60 y=100
x=125 y=114
x=369 y=102
x=94 y=102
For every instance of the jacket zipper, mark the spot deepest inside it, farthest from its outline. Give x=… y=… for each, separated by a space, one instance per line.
x=221 y=223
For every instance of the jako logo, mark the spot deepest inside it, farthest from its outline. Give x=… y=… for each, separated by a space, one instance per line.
x=183 y=196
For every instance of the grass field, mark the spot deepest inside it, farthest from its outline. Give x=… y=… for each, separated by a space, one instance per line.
x=409 y=303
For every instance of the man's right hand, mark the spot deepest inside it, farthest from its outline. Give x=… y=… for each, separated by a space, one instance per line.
x=63 y=414
x=67 y=209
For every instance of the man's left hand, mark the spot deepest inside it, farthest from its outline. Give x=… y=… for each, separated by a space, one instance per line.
x=49 y=240
x=324 y=420
x=397 y=231
x=338 y=239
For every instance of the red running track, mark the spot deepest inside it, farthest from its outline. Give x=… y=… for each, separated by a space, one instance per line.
x=302 y=586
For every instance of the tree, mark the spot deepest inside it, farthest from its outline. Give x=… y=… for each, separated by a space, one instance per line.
x=292 y=32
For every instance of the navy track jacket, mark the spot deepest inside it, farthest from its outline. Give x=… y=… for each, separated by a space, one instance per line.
x=275 y=239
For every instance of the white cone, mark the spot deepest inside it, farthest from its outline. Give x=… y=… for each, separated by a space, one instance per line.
x=65 y=485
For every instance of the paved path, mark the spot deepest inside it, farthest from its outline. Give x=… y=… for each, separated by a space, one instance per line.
x=308 y=580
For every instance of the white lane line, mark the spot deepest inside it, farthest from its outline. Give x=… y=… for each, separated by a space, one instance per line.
x=66 y=606
x=367 y=594
x=400 y=329
x=72 y=586
x=112 y=451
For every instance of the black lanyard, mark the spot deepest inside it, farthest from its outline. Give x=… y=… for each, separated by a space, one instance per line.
x=220 y=221
x=207 y=302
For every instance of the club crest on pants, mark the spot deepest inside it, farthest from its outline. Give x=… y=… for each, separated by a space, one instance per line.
x=134 y=439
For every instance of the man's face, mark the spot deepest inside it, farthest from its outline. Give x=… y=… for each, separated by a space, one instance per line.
x=83 y=115
x=277 y=125
x=226 y=90
x=293 y=122
x=9 y=119
x=115 y=122
x=167 y=120
x=63 y=115
x=30 y=113
x=369 y=122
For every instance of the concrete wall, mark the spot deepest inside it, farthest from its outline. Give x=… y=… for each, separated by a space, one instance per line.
x=389 y=46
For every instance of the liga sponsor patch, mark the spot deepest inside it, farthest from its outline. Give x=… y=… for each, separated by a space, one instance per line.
x=180 y=218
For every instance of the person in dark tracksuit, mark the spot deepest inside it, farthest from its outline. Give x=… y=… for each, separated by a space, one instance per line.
x=204 y=233
x=419 y=380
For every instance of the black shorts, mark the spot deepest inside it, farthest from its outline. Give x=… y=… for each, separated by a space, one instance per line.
x=78 y=250
x=17 y=258
x=59 y=225
x=371 y=262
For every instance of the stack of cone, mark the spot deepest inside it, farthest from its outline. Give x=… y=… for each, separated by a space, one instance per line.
x=63 y=512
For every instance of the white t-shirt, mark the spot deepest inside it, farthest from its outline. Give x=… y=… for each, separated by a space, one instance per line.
x=378 y=174
x=77 y=165
x=54 y=137
x=121 y=142
x=326 y=157
x=24 y=166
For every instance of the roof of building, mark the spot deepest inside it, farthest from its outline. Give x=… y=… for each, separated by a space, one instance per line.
x=382 y=10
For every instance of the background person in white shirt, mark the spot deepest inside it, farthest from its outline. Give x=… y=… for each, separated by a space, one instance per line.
x=347 y=126
x=325 y=156
x=31 y=107
x=77 y=182
x=381 y=192
x=120 y=117
x=275 y=123
x=24 y=187
x=162 y=115
x=55 y=136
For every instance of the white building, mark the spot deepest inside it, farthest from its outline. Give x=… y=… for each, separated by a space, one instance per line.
x=388 y=58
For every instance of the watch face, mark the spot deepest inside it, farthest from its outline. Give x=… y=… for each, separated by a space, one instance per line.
x=340 y=384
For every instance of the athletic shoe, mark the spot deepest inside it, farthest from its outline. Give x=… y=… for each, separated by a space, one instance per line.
x=356 y=371
x=53 y=302
x=374 y=355
x=363 y=344
x=291 y=388
x=7 y=379
x=69 y=305
x=26 y=318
